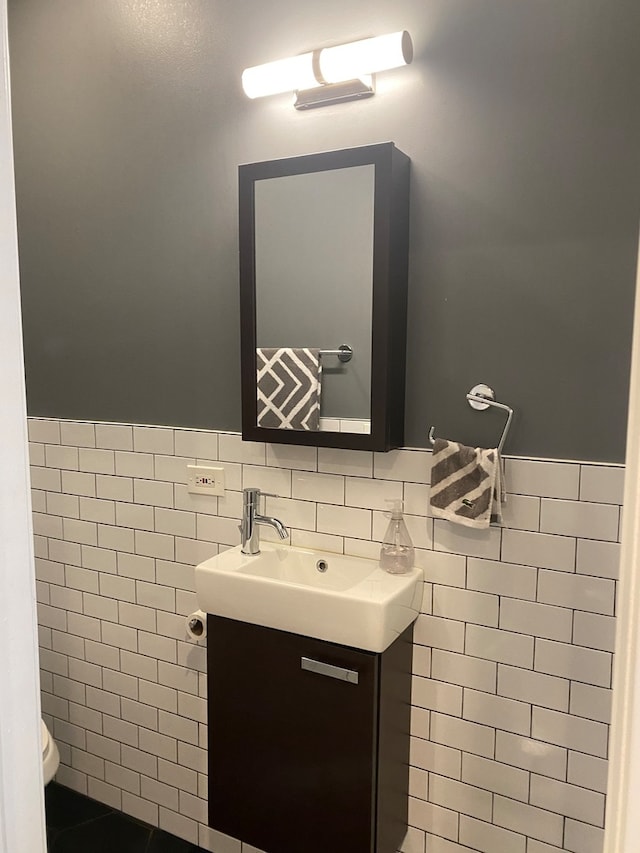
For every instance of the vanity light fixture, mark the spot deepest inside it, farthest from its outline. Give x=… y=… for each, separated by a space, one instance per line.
x=331 y=74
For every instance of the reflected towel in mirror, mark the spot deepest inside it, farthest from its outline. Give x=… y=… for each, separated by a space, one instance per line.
x=466 y=484
x=289 y=383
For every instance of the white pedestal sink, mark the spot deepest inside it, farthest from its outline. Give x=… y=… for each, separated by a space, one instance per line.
x=346 y=600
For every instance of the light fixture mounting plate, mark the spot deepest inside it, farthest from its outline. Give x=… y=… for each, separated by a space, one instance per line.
x=333 y=93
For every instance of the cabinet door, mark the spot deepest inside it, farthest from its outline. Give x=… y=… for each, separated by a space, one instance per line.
x=292 y=751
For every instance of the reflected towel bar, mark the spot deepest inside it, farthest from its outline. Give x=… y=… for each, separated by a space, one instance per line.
x=481 y=397
x=344 y=353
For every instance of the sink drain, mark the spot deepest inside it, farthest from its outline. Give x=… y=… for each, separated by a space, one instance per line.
x=322 y=565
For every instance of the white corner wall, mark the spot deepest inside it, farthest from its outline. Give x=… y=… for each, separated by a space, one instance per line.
x=623 y=816
x=21 y=799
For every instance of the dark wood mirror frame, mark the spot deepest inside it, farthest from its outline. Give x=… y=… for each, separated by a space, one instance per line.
x=389 y=320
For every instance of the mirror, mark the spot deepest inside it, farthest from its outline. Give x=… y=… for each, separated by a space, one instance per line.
x=318 y=292
x=323 y=268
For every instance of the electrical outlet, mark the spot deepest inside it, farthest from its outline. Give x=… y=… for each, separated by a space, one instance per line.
x=205 y=480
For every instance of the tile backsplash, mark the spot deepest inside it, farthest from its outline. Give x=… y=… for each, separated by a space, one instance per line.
x=512 y=653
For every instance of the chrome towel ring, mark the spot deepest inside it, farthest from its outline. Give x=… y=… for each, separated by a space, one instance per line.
x=482 y=397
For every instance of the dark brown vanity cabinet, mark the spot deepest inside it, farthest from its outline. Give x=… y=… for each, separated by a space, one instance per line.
x=308 y=741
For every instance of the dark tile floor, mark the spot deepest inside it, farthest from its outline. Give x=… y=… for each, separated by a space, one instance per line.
x=77 y=824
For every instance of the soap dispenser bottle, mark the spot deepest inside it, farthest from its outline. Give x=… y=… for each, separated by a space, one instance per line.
x=396 y=551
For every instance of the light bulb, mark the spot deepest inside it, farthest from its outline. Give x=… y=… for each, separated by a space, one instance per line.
x=355 y=61
x=283 y=75
x=352 y=61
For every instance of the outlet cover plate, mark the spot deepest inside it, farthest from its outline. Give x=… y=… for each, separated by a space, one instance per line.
x=205 y=480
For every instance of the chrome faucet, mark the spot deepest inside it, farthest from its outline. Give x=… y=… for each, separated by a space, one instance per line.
x=251 y=519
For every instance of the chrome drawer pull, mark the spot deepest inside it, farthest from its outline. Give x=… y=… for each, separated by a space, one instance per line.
x=326 y=669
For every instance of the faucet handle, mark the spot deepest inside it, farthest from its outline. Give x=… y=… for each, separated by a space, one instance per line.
x=252 y=490
x=252 y=496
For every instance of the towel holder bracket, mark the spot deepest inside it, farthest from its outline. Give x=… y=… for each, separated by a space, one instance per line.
x=480 y=390
x=482 y=397
x=344 y=353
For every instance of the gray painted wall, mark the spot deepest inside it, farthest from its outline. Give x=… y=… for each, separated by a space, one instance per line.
x=522 y=123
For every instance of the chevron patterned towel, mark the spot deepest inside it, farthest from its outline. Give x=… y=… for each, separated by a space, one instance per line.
x=289 y=383
x=466 y=484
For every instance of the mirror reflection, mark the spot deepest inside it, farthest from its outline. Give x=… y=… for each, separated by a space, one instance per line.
x=314 y=295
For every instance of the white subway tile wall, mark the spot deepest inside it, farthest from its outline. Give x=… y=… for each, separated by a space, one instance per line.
x=512 y=651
